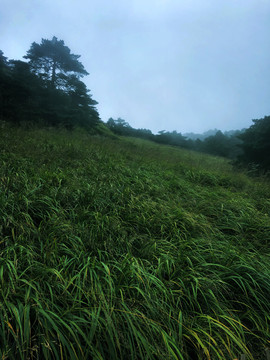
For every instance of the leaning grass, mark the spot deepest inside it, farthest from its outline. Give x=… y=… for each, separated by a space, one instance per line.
x=116 y=249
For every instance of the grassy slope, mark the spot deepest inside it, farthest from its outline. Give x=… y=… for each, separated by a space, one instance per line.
x=124 y=249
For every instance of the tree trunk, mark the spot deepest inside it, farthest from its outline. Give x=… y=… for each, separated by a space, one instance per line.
x=53 y=75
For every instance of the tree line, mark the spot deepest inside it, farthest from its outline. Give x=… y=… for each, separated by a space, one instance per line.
x=218 y=144
x=248 y=147
x=47 y=89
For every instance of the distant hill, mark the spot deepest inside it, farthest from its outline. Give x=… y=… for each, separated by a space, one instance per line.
x=194 y=136
x=211 y=132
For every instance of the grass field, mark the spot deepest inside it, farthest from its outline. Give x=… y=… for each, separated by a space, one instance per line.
x=125 y=249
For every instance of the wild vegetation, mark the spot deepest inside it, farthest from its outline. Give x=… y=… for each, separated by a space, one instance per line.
x=256 y=145
x=247 y=147
x=47 y=89
x=121 y=248
x=218 y=143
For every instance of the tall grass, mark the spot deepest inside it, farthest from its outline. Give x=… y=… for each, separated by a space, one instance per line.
x=125 y=249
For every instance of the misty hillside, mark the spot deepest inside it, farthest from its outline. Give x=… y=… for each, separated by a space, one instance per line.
x=206 y=134
x=47 y=91
x=127 y=249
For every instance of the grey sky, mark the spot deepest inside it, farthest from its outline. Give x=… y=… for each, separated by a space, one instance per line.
x=185 y=65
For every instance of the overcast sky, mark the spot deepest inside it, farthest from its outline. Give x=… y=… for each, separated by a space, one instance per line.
x=185 y=65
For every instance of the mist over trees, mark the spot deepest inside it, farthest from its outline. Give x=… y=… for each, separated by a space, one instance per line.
x=218 y=144
x=47 y=89
x=221 y=145
x=247 y=147
x=204 y=135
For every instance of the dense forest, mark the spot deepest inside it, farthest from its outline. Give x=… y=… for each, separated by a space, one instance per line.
x=47 y=90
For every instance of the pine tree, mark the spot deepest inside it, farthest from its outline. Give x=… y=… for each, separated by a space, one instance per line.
x=53 y=62
x=67 y=101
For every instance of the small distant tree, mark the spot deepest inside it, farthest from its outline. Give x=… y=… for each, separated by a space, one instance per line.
x=144 y=134
x=216 y=144
x=171 y=138
x=120 y=126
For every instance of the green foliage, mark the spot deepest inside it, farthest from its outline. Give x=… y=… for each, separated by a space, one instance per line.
x=121 y=127
x=47 y=90
x=171 y=138
x=218 y=144
x=256 y=145
x=221 y=145
x=53 y=62
x=19 y=93
x=126 y=249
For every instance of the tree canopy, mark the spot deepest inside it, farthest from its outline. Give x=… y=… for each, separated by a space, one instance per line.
x=47 y=89
x=53 y=62
x=256 y=145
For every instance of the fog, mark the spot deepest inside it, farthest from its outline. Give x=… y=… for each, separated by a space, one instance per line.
x=161 y=65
